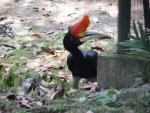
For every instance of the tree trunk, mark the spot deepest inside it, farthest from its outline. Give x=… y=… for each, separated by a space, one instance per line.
x=146 y=13
x=123 y=22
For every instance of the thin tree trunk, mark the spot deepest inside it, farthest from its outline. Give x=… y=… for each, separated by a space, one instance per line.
x=123 y=22
x=146 y=13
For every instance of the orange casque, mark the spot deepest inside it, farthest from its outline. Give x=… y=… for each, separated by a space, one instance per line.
x=79 y=28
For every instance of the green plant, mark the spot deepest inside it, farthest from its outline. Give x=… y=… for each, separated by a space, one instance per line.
x=139 y=43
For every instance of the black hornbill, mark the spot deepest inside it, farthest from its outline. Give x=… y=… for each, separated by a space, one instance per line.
x=81 y=64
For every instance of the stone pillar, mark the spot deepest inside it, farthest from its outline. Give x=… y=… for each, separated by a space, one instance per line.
x=118 y=71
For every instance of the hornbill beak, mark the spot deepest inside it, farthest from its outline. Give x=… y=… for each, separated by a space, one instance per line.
x=89 y=35
x=79 y=31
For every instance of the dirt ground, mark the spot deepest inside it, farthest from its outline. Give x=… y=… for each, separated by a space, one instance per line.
x=53 y=16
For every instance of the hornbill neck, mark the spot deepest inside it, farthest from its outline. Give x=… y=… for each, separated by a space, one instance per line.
x=71 y=44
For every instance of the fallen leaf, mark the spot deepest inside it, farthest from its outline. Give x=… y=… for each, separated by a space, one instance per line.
x=86 y=87
x=71 y=14
x=62 y=64
x=11 y=96
x=35 y=9
x=59 y=92
x=63 y=75
x=50 y=68
x=50 y=31
x=44 y=83
x=48 y=50
x=43 y=8
x=91 y=87
x=3 y=18
x=36 y=35
x=56 y=94
x=72 y=91
x=20 y=91
x=39 y=103
x=46 y=14
x=24 y=102
x=30 y=84
x=44 y=89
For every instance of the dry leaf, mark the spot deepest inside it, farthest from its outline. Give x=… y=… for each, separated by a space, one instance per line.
x=63 y=75
x=71 y=91
x=39 y=103
x=91 y=87
x=62 y=64
x=50 y=68
x=11 y=96
x=35 y=9
x=59 y=92
x=36 y=36
x=24 y=102
x=3 y=18
x=48 y=50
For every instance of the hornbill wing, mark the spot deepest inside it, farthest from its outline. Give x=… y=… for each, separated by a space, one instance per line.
x=91 y=59
x=70 y=62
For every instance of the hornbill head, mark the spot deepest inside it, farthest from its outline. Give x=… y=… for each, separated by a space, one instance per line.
x=78 y=34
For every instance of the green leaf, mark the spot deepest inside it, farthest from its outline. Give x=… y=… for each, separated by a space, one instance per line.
x=106 y=99
x=144 y=38
x=139 y=44
x=113 y=91
x=138 y=50
x=132 y=43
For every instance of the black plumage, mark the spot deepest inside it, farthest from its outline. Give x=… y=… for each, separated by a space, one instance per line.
x=81 y=64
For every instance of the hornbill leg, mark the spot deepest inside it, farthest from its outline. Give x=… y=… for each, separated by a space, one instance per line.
x=93 y=79
x=76 y=82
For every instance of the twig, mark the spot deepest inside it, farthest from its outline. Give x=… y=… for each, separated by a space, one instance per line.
x=6 y=45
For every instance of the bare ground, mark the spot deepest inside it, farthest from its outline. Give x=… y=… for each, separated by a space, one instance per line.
x=53 y=16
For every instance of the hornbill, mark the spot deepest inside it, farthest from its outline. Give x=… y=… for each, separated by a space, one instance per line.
x=82 y=64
